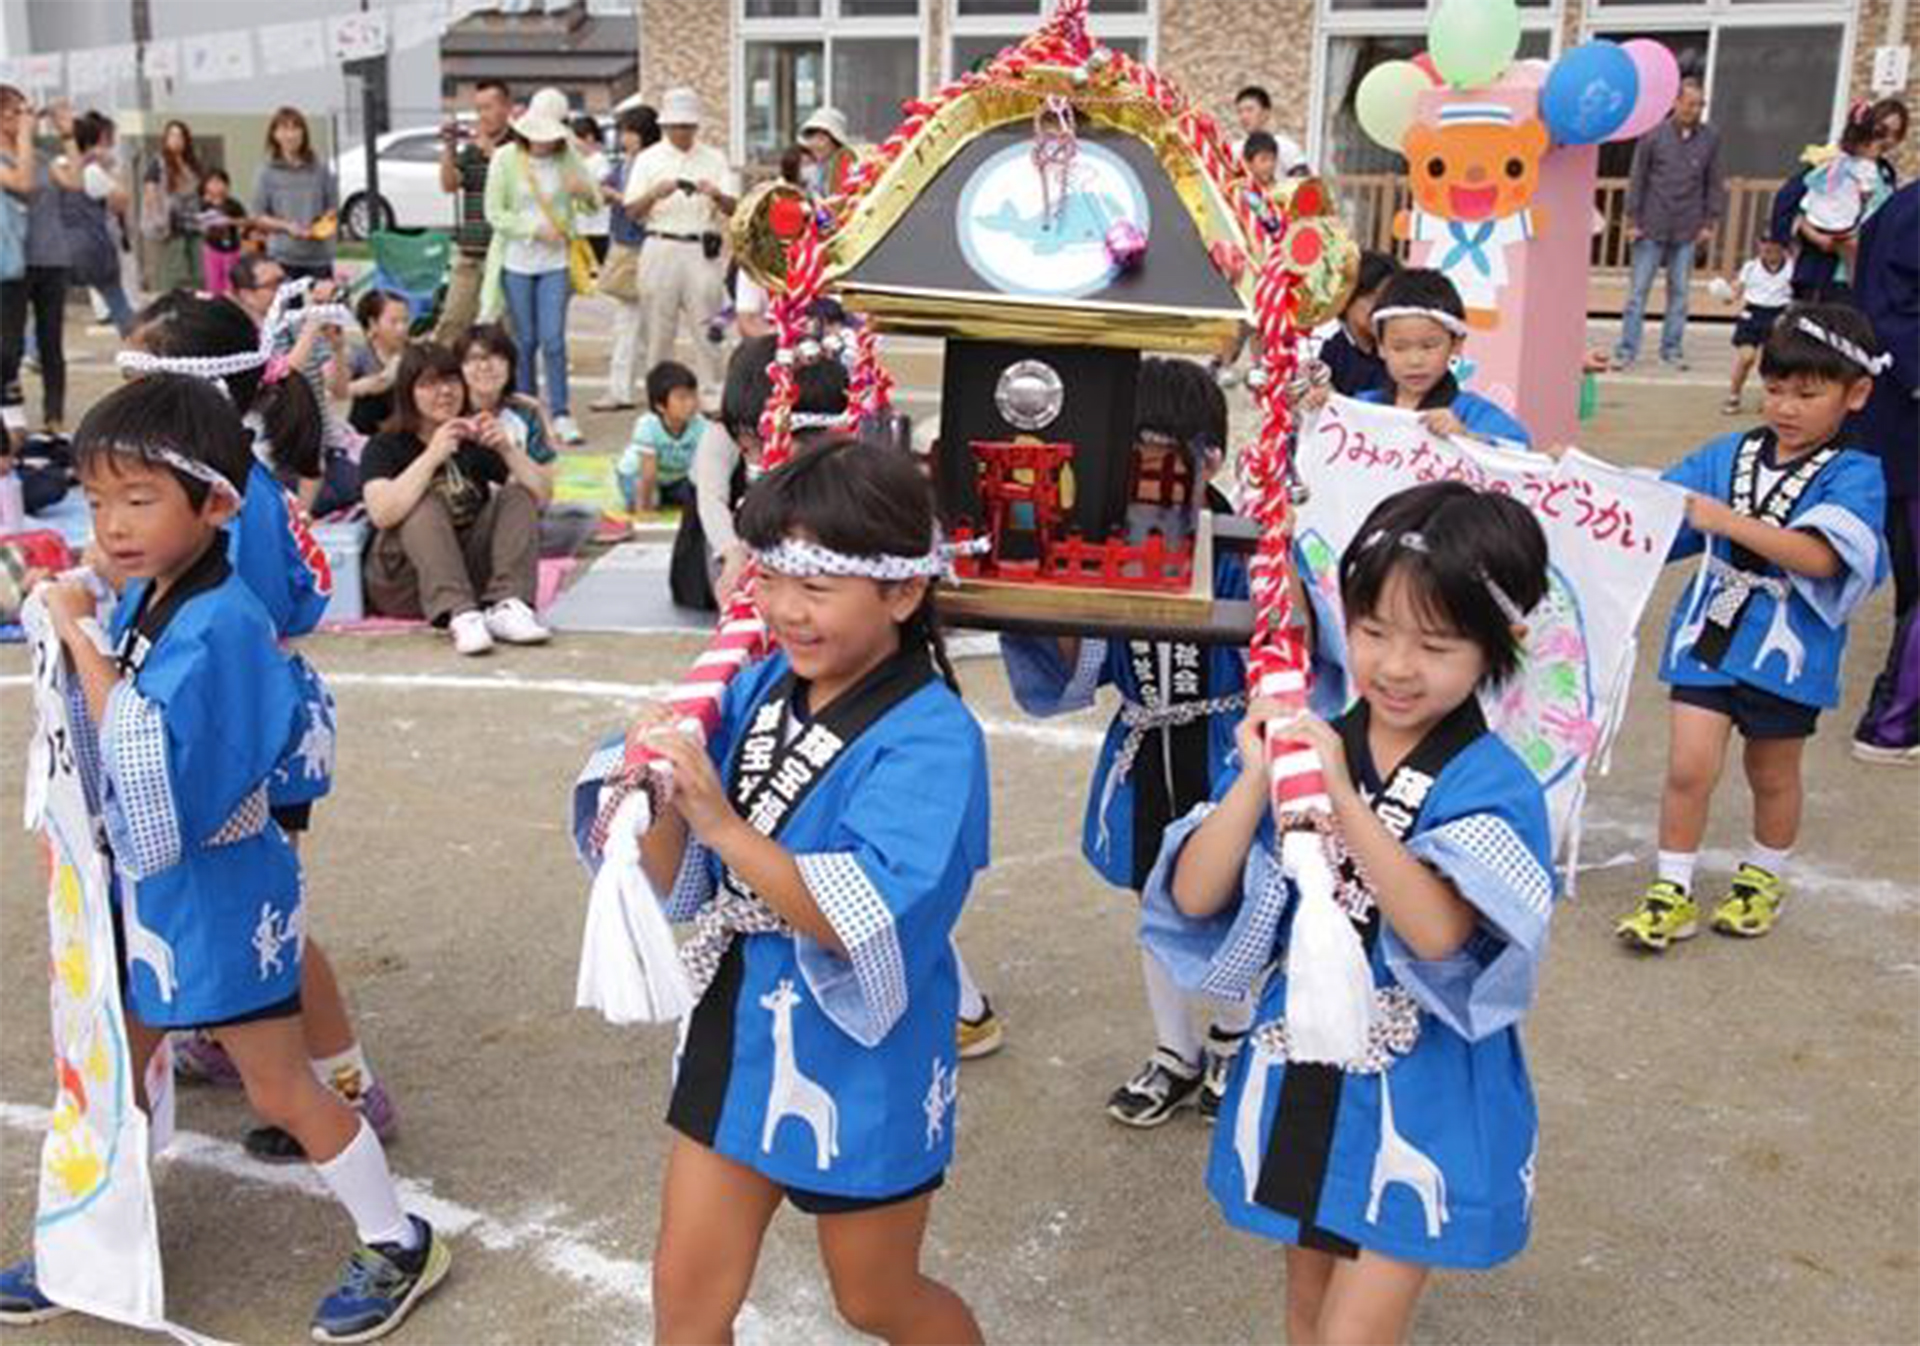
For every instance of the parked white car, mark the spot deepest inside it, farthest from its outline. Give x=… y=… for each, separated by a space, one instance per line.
x=410 y=195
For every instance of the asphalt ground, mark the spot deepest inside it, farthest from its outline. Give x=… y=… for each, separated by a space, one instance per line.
x=1728 y=1143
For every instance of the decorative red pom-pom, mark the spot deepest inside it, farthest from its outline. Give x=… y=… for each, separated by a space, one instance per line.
x=788 y=216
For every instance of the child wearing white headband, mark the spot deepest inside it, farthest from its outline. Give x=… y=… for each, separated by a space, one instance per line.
x=822 y=842
x=1419 y=326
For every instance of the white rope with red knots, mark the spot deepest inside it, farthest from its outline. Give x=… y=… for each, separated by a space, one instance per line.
x=1330 y=1000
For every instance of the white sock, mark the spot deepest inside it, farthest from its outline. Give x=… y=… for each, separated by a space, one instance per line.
x=1167 y=1003
x=972 y=1003
x=346 y=1073
x=1231 y=1020
x=1676 y=867
x=1767 y=858
x=359 y=1180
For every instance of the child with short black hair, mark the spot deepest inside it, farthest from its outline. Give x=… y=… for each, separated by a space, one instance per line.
x=1763 y=288
x=386 y=320
x=654 y=470
x=1351 y=354
x=1420 y=325
x=222 y=215
x=824 y=838
x=1418 y=1151
x=193 y=714
x=1786 y=519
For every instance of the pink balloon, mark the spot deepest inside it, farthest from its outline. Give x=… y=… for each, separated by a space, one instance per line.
x=1530 y=73
x=1659 y=81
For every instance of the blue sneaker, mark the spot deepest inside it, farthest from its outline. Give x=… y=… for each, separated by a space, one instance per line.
x=21 y=1303
x=380 y=1287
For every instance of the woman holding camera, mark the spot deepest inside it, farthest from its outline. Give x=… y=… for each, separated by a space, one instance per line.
x=36 y=275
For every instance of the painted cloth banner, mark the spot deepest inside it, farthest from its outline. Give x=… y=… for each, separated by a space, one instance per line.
x=1608 y=530
x=95 y=1241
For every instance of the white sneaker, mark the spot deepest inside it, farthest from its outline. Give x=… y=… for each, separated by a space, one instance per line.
x=513 y=621
x=566 y=431
x=470 y=633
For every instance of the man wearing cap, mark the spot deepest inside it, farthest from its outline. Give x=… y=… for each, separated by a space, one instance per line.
x=464 y=155
x=683 y=192
x=1675 y=200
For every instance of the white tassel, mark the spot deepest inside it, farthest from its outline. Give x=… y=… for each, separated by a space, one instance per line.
x=629 y=964
x=1329 y=985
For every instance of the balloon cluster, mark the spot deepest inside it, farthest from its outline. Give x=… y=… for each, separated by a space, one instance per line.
x=1598 y=91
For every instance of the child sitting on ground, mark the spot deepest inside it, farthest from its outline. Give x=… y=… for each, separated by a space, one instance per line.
x=654 y=470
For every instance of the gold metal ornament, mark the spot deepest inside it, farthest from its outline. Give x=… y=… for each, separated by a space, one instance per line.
x=757 y=246
x=1323 y=254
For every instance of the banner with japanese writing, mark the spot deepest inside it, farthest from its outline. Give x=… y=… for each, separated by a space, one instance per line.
x=95 y=1240
x=1608 y=530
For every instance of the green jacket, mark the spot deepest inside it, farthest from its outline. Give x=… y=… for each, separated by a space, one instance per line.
x=514 y=211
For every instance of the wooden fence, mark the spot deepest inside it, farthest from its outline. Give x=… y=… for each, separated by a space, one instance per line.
x=1369 y=203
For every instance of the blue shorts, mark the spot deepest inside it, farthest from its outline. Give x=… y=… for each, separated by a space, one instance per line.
x=1755 y=713
x=823 y=1203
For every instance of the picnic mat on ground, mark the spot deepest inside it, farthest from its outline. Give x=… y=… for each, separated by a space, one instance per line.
x=626 y=590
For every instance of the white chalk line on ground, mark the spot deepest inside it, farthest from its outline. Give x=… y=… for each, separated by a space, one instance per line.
x=1639 y=836
x=561 y=1251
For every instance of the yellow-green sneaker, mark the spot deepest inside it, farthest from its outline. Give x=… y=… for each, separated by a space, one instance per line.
x=1664 y=915
x=1753 y=906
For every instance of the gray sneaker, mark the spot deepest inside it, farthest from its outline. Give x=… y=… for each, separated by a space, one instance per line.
x=1163 y=1086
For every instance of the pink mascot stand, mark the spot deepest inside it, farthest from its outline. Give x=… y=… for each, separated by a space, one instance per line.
x=1502 y=161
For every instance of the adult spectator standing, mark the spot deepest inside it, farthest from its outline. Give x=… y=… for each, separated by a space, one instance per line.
x=1888 y=289
x=170 y=210
x=296 y=199
x=684 y=192
x=42 y=287
x=464 y=157
x=538 y=189
x=620 y=278
x=596 y=223
x=1820 y=267
x=1253 y=109
x=96 y=218
x=1675 y=199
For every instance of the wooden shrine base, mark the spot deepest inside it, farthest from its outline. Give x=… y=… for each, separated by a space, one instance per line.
x=1061 y=609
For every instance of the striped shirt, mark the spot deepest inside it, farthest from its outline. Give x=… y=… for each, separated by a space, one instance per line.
x=472 y=233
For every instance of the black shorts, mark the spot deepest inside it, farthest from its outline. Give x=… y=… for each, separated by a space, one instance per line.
x=279 y=1009
x=1755 y=713
x=1754 y=325
x=293 y=817
x=822 y=1203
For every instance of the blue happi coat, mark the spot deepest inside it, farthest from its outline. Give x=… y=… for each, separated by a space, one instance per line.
x=1168 y=769
x=207 y=886
x=1792 y=629
x=1423 y=1149
x=832 y=1073
x=272 y=550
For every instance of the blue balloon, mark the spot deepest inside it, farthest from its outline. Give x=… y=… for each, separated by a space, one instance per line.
x=1589 y=93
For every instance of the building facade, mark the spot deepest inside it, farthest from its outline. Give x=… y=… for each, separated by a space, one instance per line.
x=1779 y=74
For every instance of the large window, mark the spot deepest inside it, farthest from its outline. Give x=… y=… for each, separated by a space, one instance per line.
x=1357 y=35
x=797 y=56
x=977 y=30
x=1775 y=71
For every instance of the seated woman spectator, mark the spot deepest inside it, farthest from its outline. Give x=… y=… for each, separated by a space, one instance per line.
x=488 y=359
x=456 y=501
x=708 y=557
x=384 y=317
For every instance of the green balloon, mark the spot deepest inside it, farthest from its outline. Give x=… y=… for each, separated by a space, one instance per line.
x=1472 y=41
x=1384 y=101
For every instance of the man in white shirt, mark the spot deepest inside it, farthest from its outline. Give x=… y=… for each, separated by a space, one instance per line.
x=1253 y=109
x=684 y=193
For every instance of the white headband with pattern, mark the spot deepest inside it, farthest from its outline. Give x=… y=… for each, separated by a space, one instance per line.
x=1439 y=315
x=1414 y=541
x=219 y=368
x=1848 y=349
x=800 y=559
x=185 y=466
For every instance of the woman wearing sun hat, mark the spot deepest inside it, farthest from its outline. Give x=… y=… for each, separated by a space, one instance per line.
x=826 y=138
x=538 y=190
